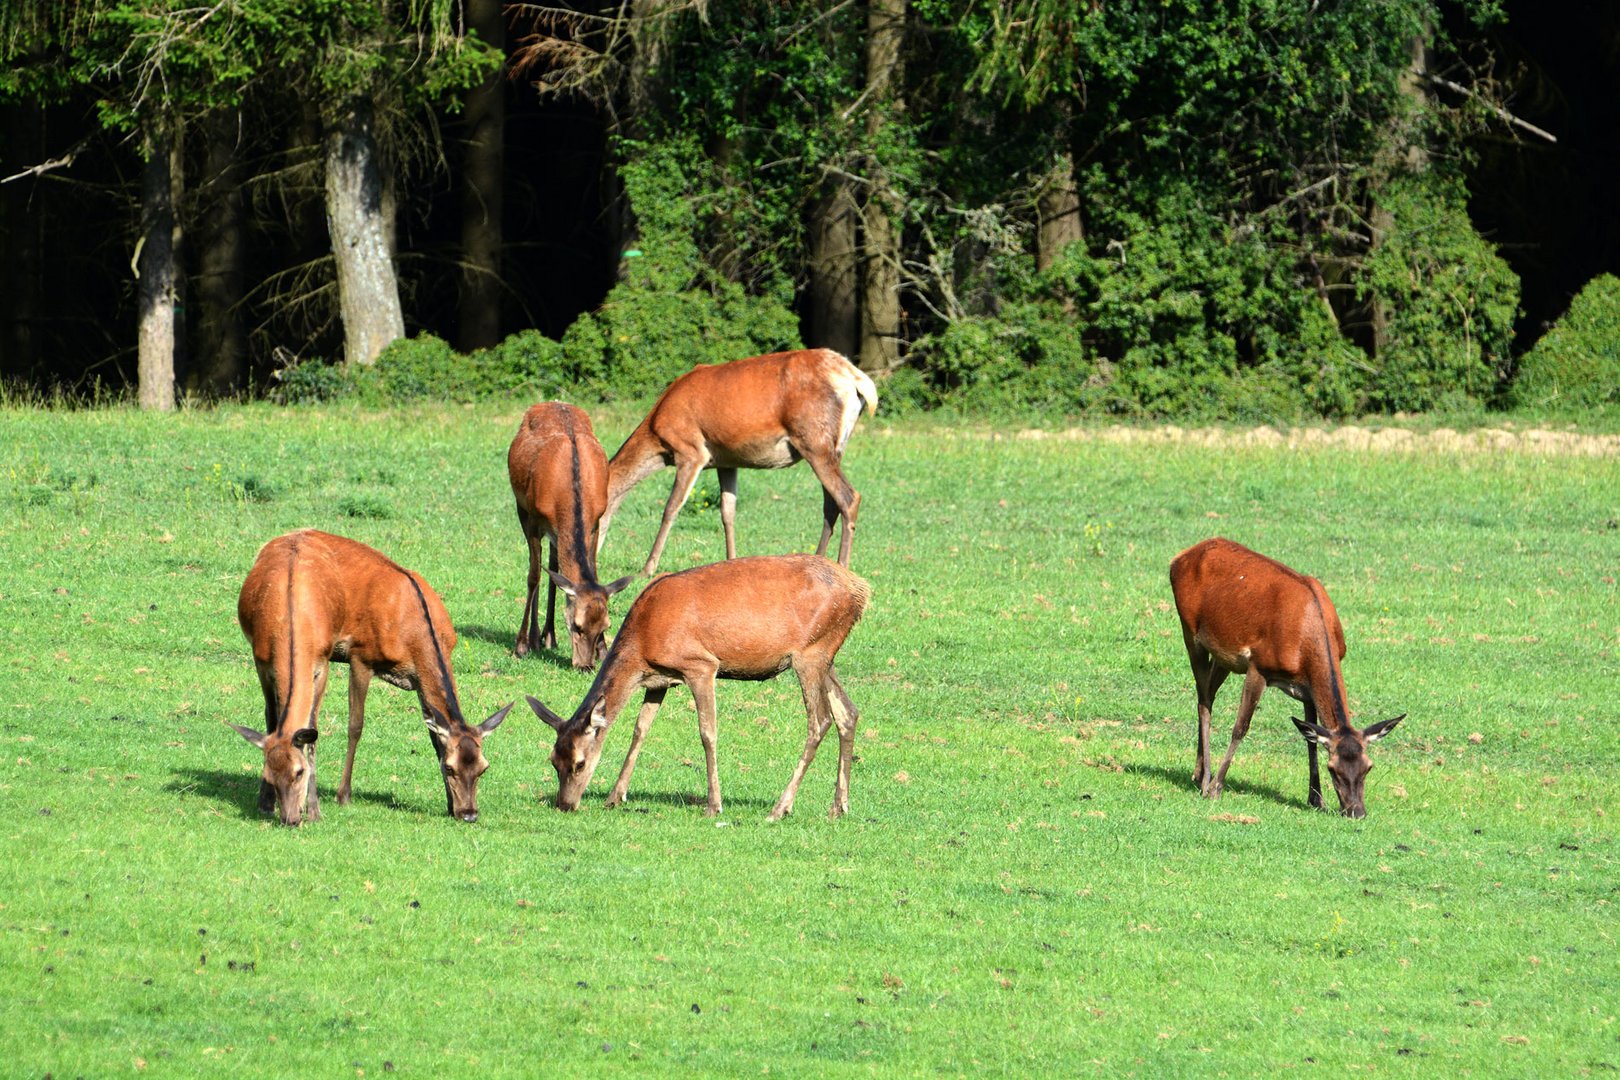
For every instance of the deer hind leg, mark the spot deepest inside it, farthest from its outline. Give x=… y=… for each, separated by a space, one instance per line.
x=1313 y=794
x=649 y=709
x=813 y=683
x=527 y=637
x=686 y=476
x=846 y=716
x=359 y=683
x=703 y=697
x=1253 y=684
x=728 y=509
x=841 y=500
x=548 y=640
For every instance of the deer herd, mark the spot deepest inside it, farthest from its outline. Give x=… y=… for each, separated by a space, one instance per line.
x=312 y=598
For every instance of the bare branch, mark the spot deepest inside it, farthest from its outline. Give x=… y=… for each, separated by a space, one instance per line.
x=1500 y=112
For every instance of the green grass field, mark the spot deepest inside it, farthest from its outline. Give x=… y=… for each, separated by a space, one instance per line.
x=1027 y=882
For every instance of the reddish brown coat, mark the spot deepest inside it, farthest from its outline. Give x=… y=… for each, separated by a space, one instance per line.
x=741 y=619
x=1246 y=614
x=766 y=412
x=558 y=473
x=312 y=598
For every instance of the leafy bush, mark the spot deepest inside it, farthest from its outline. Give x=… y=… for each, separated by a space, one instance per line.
x=1451 y=301
x=526 y=364
x=1576 y=364
x=307 y=382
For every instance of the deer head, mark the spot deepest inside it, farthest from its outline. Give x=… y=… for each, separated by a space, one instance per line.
x=577 y=750
x=287 y=769
x=461 y=758
x=1348 y=763
x=588 y=617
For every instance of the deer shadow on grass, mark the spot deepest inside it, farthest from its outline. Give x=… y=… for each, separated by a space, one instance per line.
x=684 y=800
x=561 y=658
x=241 y=791
x=1182 y=778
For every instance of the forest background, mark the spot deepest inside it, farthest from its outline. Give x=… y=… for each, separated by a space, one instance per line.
x=1253 y=210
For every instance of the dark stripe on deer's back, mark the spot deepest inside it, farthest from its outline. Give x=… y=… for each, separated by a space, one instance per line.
x=577 y=526
x=1331 y=659
x=438 y=652
x=292 y=643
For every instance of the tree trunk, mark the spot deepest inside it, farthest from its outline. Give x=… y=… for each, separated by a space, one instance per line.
x=155 y=271
x=482 y=190
x=834 y=315
x=880 y=286
x=359 y=206
x=221 y=341
x=1404 y=151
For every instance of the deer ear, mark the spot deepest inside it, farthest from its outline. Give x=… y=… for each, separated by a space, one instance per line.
x=618 y=586
x=1377 y=731
x=552 y=720
x=495 y=719
x=599 y=717
x=1315 y=733
x=305 y=737
x=254 y=737
x=436 y=723
x=562 y=583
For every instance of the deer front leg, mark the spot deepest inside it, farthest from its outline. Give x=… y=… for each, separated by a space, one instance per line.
x=525 y=640
x=359 y=683
x=728 y=509
x=548 y=640
x=703 y=697
x=686 y=475
x=267 y=683
x=817 y=720
x=312 y=798
x=1208 y=679
x=1313 y=793
x=649 y=709
x=1253 y=684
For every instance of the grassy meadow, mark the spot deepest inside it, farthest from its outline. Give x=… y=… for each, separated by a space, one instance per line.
x=1027 y=882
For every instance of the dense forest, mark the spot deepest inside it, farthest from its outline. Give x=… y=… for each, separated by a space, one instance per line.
x=1254 y=209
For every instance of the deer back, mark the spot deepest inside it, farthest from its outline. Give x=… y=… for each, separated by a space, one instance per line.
x=559 y=474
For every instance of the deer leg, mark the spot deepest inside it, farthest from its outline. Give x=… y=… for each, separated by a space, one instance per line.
x=702 y=685
x=548 y=640
x=817 y=720
x=728 y=509
x=1313 y=796
x=1253 y=684
x=267 y=683
x=531 y=597
x=846 y=716
x=312 y=798
x=844 y=498
x=649 y=709
x=686 y=476
x=1207 y=678
x=359 y=683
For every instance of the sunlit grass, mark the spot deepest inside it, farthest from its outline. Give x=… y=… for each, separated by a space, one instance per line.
x=1027 y=881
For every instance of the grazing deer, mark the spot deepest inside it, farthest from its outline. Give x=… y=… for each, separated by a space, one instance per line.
x=312 y=598
x=559 y=477
x=765 y=412
x=743 y=619
x=1245 y=614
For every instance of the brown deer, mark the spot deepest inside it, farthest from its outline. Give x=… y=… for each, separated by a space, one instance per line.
x=743 y=619
x=766 y=412
x=312 y=598
x=559 y=477
x=1245 y=614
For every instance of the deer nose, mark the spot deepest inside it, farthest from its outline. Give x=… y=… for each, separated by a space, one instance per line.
x=469 y=816
x=1355 y=811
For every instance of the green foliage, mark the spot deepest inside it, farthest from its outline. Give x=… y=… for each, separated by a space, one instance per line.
x=526 y=364
x=308 y=381
x=1451 y=299
x=1576 y=364
x=671 y=311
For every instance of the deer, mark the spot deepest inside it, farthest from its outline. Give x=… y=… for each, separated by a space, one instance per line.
x=312 y=598
x=1245 y=614
x=747 y=618
x=559 y=478
x=765 y=412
